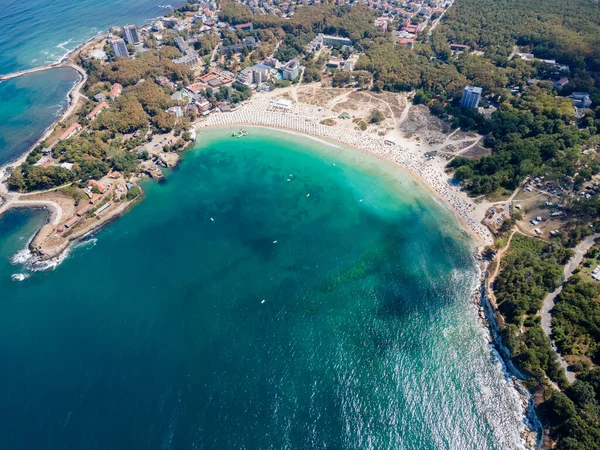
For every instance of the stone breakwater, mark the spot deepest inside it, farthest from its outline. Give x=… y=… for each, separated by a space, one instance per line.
x=305 y=119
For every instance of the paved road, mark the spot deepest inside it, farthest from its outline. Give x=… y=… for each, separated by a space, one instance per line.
x=550 y=300
x=438 y=20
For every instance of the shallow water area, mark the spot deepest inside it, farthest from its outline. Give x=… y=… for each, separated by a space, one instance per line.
x=275 y=292
x=36 y=33
x=29 y=105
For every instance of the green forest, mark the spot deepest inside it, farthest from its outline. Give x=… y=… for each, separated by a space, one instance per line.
x=530 y=270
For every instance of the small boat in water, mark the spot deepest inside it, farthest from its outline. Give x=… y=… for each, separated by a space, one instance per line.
x=240 y=133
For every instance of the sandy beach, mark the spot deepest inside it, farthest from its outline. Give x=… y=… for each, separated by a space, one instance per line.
x=409 y=154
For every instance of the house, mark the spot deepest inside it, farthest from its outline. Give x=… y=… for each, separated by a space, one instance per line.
x=191 y=109
x=250 y=42
x=581 y=99
x=189 y=90
x=407 y=42
x=100 y=97
x=98 y=54
x=116 y=90
x=244 y=26
x=190 y=59
x=165 y=82
x=97 y=110
x=459 y=47
x=283 y=104
x=84 y=211
x=202 y=103
x=271 y=62
x=334 y=40
x=224 y=106
x=561 y=83
x=526 y=56
x=334 y=62
x=98 y=185
x=69 y=132
x=177 y=111
x=382 y=23
x=214 y=79
x=350 y=63
x=181 y=44
x=102 y=209
x=94 y=199
x=72 y=221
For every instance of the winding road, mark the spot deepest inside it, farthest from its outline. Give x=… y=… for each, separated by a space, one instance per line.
x=550 y=300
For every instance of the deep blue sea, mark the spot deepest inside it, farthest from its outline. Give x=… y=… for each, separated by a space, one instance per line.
x=38 y=32
x=275 y=293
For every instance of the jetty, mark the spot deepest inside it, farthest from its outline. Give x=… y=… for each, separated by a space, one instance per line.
x=63 y=63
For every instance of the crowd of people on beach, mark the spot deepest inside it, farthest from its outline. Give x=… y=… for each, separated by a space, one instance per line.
x=306 y=119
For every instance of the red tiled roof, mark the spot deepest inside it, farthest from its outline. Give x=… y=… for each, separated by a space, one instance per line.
x=98 y=185
x=95 y=198
x=97 y=110
x=116 y=90
x=72 y=129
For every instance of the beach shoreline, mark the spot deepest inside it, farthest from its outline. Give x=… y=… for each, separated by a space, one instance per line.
x=429 y=174
x=440 y=200
x=375 y=146
x=479 y=299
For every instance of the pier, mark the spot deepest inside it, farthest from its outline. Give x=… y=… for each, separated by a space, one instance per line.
x=63 y=63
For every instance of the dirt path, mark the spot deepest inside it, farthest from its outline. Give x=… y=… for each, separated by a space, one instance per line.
x=466 y=149
x=499 y=256
x=404 y=114
x=550 y=300
x=338 y=99
x=386 y=104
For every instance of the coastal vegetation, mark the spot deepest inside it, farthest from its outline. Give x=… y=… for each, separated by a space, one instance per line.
x=576 y=322
x=530 y=135
x=530 y=270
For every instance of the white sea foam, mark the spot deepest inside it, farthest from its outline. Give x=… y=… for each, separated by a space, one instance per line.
x=22 y=256
x=20 y=276
x=63 y=45
x=32 y=262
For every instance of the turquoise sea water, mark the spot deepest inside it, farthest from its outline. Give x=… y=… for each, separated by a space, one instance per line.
x=29 y=105
x=39 y=32
x=253 y=301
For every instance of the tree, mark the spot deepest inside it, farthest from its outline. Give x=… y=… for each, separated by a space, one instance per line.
x=376 y=116
x=341 y=79
x=311 y=75
x=463 y=173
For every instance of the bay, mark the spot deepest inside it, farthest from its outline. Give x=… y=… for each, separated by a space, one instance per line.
x=29 y=105
x=276 y=292
x=38 y=32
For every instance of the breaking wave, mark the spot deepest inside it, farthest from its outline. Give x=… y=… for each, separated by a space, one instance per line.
x=33 y=263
